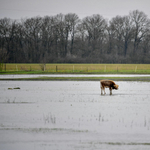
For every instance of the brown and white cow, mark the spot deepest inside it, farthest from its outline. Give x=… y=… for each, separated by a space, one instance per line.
x=108 y=84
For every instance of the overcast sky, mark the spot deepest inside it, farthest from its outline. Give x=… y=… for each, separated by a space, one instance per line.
x=17 y=9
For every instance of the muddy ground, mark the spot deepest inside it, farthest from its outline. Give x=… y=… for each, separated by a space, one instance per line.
x=72 y=115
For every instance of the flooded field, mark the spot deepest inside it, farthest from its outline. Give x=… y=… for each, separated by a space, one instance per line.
x=72 y=115
x=70 y=75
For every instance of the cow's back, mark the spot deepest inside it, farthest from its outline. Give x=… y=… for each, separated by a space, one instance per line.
x=107 y=83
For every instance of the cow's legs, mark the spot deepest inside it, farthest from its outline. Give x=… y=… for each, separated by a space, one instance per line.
x=110 y=91
x=101 y=91
x=104 y=91
x=101 y=88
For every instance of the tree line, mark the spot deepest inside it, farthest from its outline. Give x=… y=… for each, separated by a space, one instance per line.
x=68 y=39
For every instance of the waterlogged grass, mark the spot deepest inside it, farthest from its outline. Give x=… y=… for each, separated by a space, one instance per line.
x=76 y=68
x=147 y=79
x=119 y=143
x=44 y=130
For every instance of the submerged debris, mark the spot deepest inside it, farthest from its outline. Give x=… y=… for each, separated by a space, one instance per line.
x=17 y=88
x=13 y=88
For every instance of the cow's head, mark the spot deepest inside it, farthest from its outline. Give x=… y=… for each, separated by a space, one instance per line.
x=116 y=86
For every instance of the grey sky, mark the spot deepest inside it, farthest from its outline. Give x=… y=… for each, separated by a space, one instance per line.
x=17 y=9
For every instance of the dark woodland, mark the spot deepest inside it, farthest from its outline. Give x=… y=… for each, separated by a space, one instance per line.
x=68 y=39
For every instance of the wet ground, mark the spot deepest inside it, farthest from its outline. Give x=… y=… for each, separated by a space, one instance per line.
x=71 y=75
x=72 y=115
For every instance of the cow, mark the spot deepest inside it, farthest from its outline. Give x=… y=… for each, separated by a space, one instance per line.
x=108 y=84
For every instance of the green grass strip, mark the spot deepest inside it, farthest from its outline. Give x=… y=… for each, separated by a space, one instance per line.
x=147 y=79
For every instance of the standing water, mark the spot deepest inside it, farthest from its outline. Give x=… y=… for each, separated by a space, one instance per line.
x=70 y=115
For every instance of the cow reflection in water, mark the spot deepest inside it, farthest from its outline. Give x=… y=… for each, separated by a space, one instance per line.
x=108 y=84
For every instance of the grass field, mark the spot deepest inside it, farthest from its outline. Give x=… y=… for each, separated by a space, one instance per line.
x=75 y=68
x=145 y=79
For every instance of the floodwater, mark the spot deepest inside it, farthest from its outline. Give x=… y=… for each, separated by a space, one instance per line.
x=71 y=75
x=73 y=115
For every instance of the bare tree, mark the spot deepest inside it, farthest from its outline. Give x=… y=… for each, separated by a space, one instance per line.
x=95 y=27
x=32 y=32
x=47 y=39
x=123 y=30
x=66 y=38
x=141 y=25
x=71 y=21
x=5 y=25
